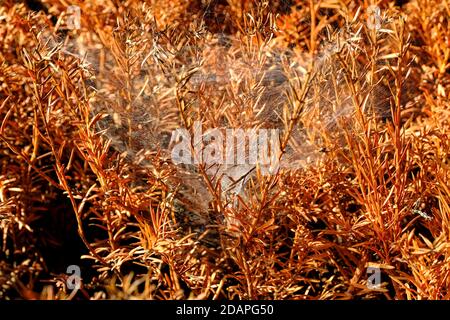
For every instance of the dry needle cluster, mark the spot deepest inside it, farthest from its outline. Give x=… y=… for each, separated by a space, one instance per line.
x=357 y=91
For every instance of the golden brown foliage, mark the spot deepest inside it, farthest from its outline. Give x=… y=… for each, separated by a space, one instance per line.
x=86 y=179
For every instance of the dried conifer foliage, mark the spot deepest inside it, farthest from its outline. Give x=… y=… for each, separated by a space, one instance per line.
x=216 y=149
